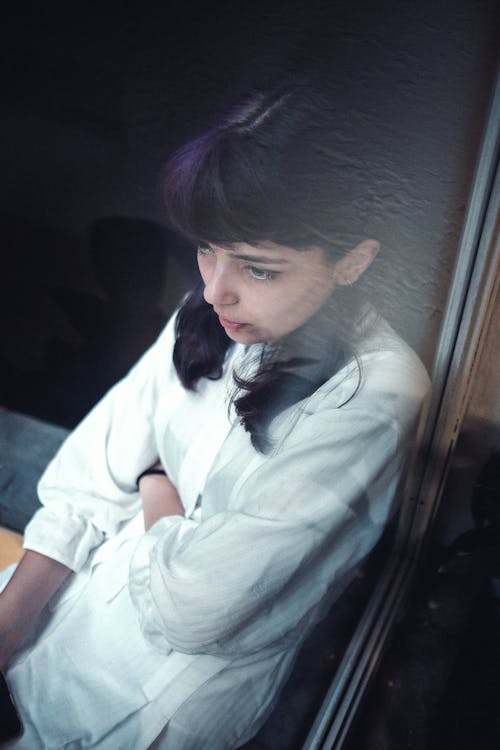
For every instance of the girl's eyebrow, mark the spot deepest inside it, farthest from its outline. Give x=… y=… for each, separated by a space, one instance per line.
x=260 y=259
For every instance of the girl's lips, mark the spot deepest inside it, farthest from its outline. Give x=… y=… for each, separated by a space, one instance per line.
x=229 y=323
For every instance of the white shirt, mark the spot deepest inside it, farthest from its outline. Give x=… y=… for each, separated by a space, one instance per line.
x=186 y=632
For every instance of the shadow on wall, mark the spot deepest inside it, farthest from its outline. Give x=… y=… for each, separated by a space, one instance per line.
x=96 y=329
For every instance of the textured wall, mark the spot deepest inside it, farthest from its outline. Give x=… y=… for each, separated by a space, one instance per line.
x=93 y=105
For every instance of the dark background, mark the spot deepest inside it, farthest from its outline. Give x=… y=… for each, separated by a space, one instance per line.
x=94 y=100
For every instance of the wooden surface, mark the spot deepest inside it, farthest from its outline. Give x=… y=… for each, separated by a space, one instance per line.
x=10 y=547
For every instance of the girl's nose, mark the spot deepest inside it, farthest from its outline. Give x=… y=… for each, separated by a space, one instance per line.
x=220 y=288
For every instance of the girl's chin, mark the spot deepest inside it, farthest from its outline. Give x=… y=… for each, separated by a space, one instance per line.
x=246 y=335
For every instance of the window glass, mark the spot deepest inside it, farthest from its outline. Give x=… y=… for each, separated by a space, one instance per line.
x=92 y=109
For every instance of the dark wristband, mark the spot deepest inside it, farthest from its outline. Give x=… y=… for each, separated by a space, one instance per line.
x=147 y=473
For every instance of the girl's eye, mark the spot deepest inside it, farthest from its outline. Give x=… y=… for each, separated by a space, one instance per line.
x=262 y=274
x=204 y=250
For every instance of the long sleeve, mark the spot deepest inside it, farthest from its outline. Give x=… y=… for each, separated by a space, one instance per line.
x=251 y=576
x=88 y=490
x=280 y=536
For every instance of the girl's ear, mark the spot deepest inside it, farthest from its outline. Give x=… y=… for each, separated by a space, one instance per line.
x=348 y=269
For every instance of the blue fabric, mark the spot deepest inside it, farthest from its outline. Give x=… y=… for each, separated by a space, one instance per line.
x=26 y=447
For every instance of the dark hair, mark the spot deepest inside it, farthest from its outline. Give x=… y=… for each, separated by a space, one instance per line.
x=274 y=169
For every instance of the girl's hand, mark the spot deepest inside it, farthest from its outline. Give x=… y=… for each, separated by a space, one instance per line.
x=35 y=581
x=159 y=498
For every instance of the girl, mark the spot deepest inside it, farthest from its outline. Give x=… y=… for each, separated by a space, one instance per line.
x=208 y=511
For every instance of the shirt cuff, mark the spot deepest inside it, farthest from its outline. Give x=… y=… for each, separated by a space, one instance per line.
x=67 y=538
x=140 y=589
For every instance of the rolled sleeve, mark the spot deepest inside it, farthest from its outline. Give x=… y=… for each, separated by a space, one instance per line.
x=252 y=577
x=88 y=490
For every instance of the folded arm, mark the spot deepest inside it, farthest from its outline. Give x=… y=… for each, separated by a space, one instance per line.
x=88 y=491
x=252 y=575
x=159 y=498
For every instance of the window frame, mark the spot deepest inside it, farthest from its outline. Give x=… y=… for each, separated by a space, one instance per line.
x=471 y=297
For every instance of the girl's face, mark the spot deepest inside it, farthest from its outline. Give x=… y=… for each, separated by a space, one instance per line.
x=262 y=293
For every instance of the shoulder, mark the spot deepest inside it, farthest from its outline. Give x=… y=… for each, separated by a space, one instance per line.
x=386 y=380
x=162 y=349
x=155 y=366
x=389 y=367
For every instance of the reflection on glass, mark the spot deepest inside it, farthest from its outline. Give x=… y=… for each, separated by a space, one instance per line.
x=206 y=514
x=245 y=477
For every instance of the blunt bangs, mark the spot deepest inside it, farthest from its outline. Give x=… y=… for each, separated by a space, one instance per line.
x=239 y=181
x=216 y=191
x=280 y=167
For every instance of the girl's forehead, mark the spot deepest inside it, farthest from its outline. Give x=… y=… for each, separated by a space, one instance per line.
x=262 y=252
x=267 y=247
x=272 y=252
